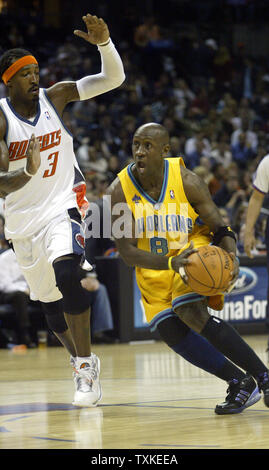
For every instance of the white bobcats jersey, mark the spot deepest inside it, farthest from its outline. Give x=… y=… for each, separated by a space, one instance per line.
x=57 y=186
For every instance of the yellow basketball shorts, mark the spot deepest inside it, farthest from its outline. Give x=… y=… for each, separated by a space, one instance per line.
x=163 y=291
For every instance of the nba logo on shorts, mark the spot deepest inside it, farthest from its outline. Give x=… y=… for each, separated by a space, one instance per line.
x=172 y=194
x=47 y=114
x=80 y=240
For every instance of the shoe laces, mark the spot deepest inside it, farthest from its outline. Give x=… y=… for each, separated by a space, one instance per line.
x=84 y=378
x=83 y=384
x=236 y=392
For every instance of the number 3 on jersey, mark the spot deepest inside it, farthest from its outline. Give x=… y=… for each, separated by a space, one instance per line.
x=53 y=160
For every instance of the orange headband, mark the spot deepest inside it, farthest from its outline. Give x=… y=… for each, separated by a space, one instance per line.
x=16 y=66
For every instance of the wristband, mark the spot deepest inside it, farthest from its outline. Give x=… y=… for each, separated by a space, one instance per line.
x=170 y=262
x=222 y=232
x=27 y=172
x=104 y=43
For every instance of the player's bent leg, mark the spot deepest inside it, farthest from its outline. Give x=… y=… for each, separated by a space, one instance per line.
x=197 y=350
x=77 y=314
x=241 y=393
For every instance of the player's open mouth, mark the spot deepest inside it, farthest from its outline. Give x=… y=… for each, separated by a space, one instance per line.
x=141 y=166
x=34 y=90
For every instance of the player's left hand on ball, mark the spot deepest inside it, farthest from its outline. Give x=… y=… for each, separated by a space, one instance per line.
x=234 y=272
x=97 y=30
x=178 y=262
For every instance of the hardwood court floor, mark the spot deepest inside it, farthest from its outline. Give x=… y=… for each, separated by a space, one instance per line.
x=152 y=399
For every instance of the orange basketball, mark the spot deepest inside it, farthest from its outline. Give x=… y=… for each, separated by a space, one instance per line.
x=209 y=270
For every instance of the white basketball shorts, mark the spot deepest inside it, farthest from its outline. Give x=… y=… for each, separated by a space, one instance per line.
x=64 y=235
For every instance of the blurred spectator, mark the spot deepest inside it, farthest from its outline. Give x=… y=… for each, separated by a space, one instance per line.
x=229 y=195
x=90 y=159
x=203 y=143
x=200 y=104
x=176 y=146
x=221 y=153
x=218 y=178
x=241 y=151
x=203 y=172
x=251 y=137
x=183 y=96
x=14 y=291
x=223 y=66
x=114 y=168
x=193 y=158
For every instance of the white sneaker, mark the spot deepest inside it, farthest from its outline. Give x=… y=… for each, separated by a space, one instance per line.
x=88 y=391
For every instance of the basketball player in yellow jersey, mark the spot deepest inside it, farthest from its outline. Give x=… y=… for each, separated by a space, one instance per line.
x=172 y=213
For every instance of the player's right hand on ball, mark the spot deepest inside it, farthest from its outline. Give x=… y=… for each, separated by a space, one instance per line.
x=234 y=273
x=33 y=155
x=178 y=262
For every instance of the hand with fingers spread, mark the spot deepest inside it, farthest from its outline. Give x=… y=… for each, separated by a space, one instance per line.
x=178 y=262
x=33 y=156
x=97 y=30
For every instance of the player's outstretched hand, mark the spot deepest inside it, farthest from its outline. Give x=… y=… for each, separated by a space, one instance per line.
x=97 y=30
x=33 y=155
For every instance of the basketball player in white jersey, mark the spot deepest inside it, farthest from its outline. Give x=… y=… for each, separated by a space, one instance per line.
x=45 y=201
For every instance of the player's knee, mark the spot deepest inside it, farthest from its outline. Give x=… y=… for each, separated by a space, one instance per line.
x=172 y=330
x=54 y=314
x=75 y=299
x=194 y=315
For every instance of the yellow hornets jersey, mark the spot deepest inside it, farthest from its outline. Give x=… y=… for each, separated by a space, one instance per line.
x=168 y=225
x=163 y=227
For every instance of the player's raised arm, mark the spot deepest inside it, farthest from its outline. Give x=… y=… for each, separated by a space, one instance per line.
x=111 y=75
x=14 y=180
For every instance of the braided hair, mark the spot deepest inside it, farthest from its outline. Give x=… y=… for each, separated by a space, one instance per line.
x=11 y=56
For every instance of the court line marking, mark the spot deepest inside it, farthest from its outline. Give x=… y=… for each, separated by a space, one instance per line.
x=198 y=446
x=17 y=418
x=52 y=439
x=3 y=429
x=35 y=407
x=174 y=407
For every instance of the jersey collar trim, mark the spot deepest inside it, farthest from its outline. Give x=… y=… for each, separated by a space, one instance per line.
x=32 y=123
x=141 y=190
